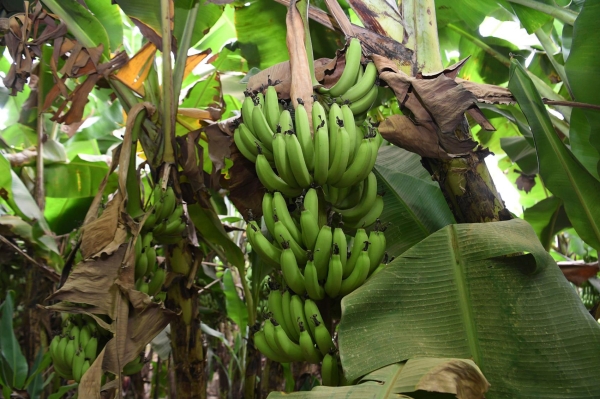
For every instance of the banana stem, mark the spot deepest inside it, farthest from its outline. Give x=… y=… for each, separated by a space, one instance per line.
x=168 y=114
x=303 y=9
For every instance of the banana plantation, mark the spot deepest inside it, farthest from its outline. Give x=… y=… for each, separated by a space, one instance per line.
x=291 y=199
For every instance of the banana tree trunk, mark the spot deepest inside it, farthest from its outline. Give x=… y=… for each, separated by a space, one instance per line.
x=465 y=182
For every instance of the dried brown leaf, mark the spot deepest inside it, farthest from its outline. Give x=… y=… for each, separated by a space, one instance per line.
x=98 y=236
x=91 y=381
x=579 y=273
x=488 y=94
x=135 y=72
x=193 y=60
x=301 y=86
x=525 y=182
x=460 y=377
x=191 y=159
x=218 y=146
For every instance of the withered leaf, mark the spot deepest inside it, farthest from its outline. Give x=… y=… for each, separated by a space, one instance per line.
x=525 y=182
x=579 y=273
x=218 y=146
x=104 y=233
x=135 y=72
x=457 y=376
x=91 y=381
x=301 y=86
x=488 y=94
x=191 y=159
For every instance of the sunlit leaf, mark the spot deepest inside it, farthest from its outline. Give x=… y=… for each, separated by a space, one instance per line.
x=109 y=16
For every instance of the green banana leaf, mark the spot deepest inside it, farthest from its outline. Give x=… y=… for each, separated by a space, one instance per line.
x=561 y=172
x=236 y=309
x=547 y=218
x=487 y=292
x=428 y=377
x=414 y=205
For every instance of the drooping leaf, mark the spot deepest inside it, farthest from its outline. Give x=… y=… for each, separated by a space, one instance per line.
x=13 y=364
x=487 y=292
x=415 y=378
x=414 y=205
x=547 y=218
x=236 y=309
x=531 y=19
x=562 y=173
x=521 y=152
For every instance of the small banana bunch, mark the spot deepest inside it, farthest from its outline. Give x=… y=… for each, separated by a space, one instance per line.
x=149 y=276
x=75 y=349
x=295 y=332
x=166 y=221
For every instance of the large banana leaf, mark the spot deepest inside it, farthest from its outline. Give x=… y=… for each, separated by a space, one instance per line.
x=488 y=292
x=561 y=172
x=428 y=377
x=414 y=205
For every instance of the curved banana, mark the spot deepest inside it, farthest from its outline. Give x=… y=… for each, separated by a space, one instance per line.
x=350 y=126
x=152 y=262
x=365 y=203
x=334 y=273
x=362 y=85
x=77 y=366
x=69 y=353
x=297 y=311
x=247 y=108
x=251 y=142
x=268 y=252
x=275 y=305
x=358 y=244
x=304 y=136
x=260 y=343
x=330 y=373
x=85 y=335
x=314 y=290
x=339 y=239
x=259 y=100
x=262 y=129
x=286 y=300
x=271 y=110
x=290 y=348
x=267 y=208
x=91 y=349
x=307 y=346
x=321 y=144
x=322 y=336
x=269 y=329
x=282 y=160
x=141 y=263
x=282 y=234
x=312 y=310
x=169 y=201
x=280 y=208
x=322 y=251
x=359 y=274
x=340 y=159
x=319 y=116
x=377 y=248
x=309 y=224
x=311 y=201
x=379 y=268
x=85 y=368
x=336 y=120
x=373 y=214
x=291 y=273
x=351 y=70
x=356 y=170
x=297 y=162
x=157 y=281
x=363 y=104
x=285 y=122
x=241 y=146
x=271 y=181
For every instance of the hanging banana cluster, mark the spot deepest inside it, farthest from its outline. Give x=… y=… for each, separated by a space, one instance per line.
x=320 y=188
x=75 y=349
x=149 y=276
x=295 y=332
x=166 y=221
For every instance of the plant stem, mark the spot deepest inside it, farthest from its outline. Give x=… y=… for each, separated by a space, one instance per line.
x=302 y=6
x=427 y=43
x=182 y=50
x=567 y=16
x=550 y=49
x=168 y=114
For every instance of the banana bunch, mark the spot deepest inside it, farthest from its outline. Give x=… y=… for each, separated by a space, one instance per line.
x=134 y=366
x=357 y=84
x=295 y=332
x=149 y=277
x=166 y=221
x=75 y=349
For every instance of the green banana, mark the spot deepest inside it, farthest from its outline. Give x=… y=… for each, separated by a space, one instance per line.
x=350 y=126
x=351 y=70
x=291 y=273
x=77 y=366
x=247 y=108
x=275 y=307
x=283 y=234
x=322 y=336
x=307 y=346
x=362 y=86
x=377 y=247
x=272 y=107
x=314 y=290
x=356 y=171
x=267 y=208
x=271 y=181
x=91 y=349
x=150 y=221
x=359 y=242
x=363 y=104
x=286 y=300
x=334 y=273
x=311 y=201
x=372 y=215
x=269 y=330
x=365 y=203
x=340 y=159
x=60 y=351
x=330 y=373
x=285 y=122
x=297 y=162
x=75 y=333
x=179 y=260
x=169 y=201
x=268 y=252
x=86 y=367
x=311 y=309
x=297 y=311
x=147 y=240
x=151 y=255
x=141 y=264
x=319 y=116
x=259 y=101
x=263 y=347
x=321 y=144
x=289 y=348
x=69 y=352
x=309 y=224
x=84 y=336
x=53 y=345
x=339 y=239
x=282 y=160
x=157 y=281
x=248 y=153
x=251 y=142
x=379 y=268
x=280 y=209
x=134 y=366
x=304 y=136
x=262 y=129
x=359 y=274
x=322 y=251
x=336 y=120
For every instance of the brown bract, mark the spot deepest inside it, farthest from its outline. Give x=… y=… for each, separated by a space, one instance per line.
x=301 y=82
